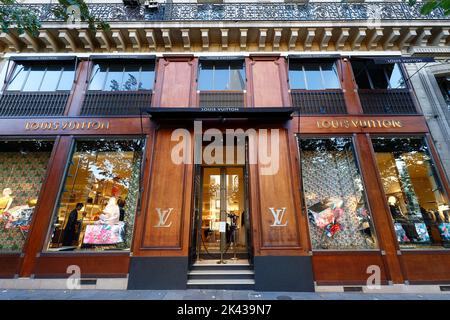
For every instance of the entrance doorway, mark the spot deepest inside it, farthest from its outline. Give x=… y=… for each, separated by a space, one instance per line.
x=222 y=226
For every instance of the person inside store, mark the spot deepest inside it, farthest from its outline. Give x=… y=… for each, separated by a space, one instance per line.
x=69 y=234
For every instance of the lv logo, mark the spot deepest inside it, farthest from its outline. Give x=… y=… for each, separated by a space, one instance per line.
x=278 y=215
x=163 y=217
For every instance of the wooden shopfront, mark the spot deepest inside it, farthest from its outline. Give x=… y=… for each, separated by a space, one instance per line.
x=326 y=214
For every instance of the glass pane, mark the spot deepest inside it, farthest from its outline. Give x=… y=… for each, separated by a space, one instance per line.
x=235 y=207
x=211 y=205
x=418 y=206
x=334 y=194
x=51 y=78
x=296 y=76
x=34 y=79
x=394 y=74
x=67 y=78
x=131 y=78
x=377 y=75
x=330 y=76
x=114 y=78
x=360 y=74
x=147 y=77
x=98 y=203
x=206 y=76
x=23 y=165
x=98 y=77
x=18 y=77
x=237 y=76
x=313 y=77
x=222 y=75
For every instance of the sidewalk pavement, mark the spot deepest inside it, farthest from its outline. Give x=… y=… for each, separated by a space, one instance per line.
x=7 y=294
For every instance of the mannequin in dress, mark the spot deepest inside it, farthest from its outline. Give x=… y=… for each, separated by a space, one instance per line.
x=111 y=213
x=6 y=200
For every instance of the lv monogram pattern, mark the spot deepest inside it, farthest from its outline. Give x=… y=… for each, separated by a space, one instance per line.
x=23 y=173
x=333 y=174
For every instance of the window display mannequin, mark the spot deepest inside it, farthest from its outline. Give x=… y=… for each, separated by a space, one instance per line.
x=69 y=230
x=6 y=200
x=111 y=213
x=395 y=209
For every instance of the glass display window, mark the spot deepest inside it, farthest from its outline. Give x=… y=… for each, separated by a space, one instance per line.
x=98 y=202
x=338 y=214
x=418 y=205
x=23 y=166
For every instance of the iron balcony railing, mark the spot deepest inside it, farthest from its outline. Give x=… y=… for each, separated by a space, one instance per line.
x=320 y=11
x=110 y=103
x=385 y=101
x=221 y=99
x=33 y=104
x=318 y=102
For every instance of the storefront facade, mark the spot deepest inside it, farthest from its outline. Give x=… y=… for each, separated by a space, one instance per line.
x=295 y=170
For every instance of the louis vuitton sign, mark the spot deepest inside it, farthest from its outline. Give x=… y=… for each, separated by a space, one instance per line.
x=66 y=125
x=357 y=123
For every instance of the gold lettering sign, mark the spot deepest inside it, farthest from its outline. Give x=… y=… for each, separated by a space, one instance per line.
x=371 y=123
x=66 y=125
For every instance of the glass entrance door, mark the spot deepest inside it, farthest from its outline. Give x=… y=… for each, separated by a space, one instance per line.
x=223 y=216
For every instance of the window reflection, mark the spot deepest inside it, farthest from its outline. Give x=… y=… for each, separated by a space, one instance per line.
x=23 y=165
x=123 y=76
x=369 y=75
x=49 y=76
x=418 y=206
x=313 y=75
x=98 y=203
x=334 y=195
x=221 y=75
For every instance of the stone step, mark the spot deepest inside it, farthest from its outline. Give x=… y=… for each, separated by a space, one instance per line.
x=229 y=284
x=221 y=274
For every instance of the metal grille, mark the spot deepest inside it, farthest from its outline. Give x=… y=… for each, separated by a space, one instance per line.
x=381 y=101
x=33 y=104
x=222 y=99
x=116 y=102
x=319 y=102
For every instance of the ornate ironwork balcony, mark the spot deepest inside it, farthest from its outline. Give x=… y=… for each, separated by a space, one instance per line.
x=322 y=11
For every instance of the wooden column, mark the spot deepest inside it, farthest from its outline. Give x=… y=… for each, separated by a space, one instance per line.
x=48 y=196
x=168 y=195
x=267 y=82
x=78 y=90
x=381 y=216
x=349 y=86
x=176 y=84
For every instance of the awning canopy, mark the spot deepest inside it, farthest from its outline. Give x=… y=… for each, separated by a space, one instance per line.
x=221 y=113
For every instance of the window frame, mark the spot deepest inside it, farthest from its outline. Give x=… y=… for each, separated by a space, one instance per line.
x=386 y=77
x=124 y=64
x=25 y=80
x=61 y=190
x=229 y=62
x=352 y=136
x=320 y=63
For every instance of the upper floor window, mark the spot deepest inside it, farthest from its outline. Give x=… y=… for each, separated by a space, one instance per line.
x=369 y=75
x=221 y=75
x=119 y=76
x=444 y=85
x=34 y=76
x=313 y=75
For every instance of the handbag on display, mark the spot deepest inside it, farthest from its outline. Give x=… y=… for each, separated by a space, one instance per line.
x=422 y=232
x=444 y=230
x=400 y=232
x=321 y=214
